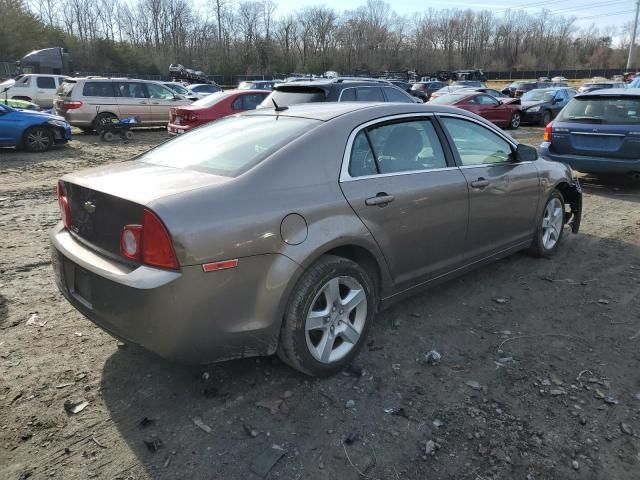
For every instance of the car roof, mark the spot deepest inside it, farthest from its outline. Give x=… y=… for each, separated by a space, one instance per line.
x=325 y=111
x=612 y=92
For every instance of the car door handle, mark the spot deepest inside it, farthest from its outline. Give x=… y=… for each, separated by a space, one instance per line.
x=480 y=183
x=142 y=103
x=380 y=200
x=155 y=103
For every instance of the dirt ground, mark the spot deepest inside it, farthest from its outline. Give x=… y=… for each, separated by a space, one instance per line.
x=538 y=378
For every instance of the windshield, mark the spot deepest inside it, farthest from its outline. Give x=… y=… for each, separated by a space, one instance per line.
x=210 y=100
x=604 y=110
x=229 y=146
x=178 y=88
x=449 y=99
x=539 y=96
x=292 y=96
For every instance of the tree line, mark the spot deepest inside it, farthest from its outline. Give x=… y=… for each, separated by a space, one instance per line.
x=251 y=37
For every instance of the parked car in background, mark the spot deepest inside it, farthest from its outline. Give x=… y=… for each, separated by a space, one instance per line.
x=597 y=132
x=401 y=84
x=517 y=89
x=180 y=89
x=258 y=84
x=424 y=90
x=600 y=85
x=335 y=90
x=634 y=83
x=201 y=90
x=19 y=104
x=542 y=105
x=213 y=107
x=489 y=91
x=468 y=84
x=33 y=131
x=90 y=102
x=504 y=114
x=35 y=88
x=559 y=79
x=287 y=231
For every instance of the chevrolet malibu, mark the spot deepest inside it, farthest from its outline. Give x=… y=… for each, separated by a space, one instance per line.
x=287 y=230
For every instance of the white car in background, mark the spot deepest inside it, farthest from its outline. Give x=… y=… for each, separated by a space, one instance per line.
x=201 y=90
x=37 y=88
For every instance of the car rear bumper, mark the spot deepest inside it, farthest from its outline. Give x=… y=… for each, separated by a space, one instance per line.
x=175 y=129
x=188 y=315
x=590 y=164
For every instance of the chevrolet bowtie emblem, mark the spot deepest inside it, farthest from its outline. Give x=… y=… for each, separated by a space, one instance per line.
x=89 y=206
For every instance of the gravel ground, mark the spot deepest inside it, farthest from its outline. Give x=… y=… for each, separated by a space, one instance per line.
x=538 y=377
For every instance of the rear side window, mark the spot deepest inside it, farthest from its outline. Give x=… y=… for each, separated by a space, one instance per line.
x=348 y=95
x=394 y=95
x=46 y=83
x=293 y=96
x=396 y=147
x=369 y=94
x=230 y=146
x=602 y=110
x=65 y=89
x=130 y=90
x=251 y=100
x=98 y=89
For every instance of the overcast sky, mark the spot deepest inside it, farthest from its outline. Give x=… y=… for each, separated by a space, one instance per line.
x=603 y=13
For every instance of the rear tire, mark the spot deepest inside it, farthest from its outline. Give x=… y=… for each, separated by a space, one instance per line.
x=328 y=317
x=101 y=120
x=550 y=227
x=128 y=135
x=107 y=136
x=37 y=139
x=546 y=118
x=515 y=121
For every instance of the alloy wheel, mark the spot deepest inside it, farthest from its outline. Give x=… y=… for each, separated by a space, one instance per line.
x=515 y=120
x=38 y=140
x=336 y=319
x=552 y=223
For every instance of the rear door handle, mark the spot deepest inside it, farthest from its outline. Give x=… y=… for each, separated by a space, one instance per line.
x=142 y=103
x=480 y=183
x=380 y=200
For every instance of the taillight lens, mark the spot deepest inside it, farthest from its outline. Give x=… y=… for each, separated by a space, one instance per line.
x=548 y=131
x=191 y=117
x=69 y=105
x=148 y=243
x=63 y=203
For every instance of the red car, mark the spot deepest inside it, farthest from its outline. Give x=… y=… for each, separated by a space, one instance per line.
x=212 y=107
x=504 y=113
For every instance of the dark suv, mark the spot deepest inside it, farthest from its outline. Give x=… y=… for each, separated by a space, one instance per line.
x=423 y=90
x=516 y=89
x=336 y=90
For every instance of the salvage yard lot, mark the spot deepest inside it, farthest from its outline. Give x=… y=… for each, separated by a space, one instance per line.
x=538 y=377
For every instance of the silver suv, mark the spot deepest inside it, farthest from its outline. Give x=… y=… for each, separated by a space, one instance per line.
x=89 y=103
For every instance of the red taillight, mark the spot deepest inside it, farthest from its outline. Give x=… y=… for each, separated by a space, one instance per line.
x=63 y=203
x=547 y=132
x=69 y=105
x=148 y=243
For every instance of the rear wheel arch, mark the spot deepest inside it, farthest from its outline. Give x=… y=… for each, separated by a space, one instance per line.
x=362 y=257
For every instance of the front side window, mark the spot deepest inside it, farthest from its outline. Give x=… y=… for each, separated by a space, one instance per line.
x=396 y=147
x=130 y=90
x=46 y=83
x=475 y=144
x=159 y=92
x=486 y=100
x=230 y=146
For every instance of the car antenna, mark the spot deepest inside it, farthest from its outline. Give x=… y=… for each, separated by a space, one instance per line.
x=278 y=109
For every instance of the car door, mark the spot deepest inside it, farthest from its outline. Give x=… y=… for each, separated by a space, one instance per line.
x=503 y=193
x=490 y=108
x=45 y=91
x=161 y=99
x=409 y=194
x=133 y=100
x=560 y=100
x=10 y=127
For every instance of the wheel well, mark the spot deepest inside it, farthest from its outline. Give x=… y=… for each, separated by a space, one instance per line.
x=362 y=257
x=568 y=192
x=27 y=99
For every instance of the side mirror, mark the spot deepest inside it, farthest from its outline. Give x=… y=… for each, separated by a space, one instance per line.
x=556 y=100
x=526 y=153
x=177 y=96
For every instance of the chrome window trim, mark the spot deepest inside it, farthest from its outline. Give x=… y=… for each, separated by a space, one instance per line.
x=345 y=176
x=362 y=86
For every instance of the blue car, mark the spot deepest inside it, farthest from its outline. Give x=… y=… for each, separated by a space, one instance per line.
x=597 y=132
x=34 y=131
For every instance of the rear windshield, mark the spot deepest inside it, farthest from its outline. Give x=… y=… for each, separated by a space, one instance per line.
x=177 y=88
x=64 y=90
x=604 y=110
x=230 y=146
x=210 y=100
x=293 y=96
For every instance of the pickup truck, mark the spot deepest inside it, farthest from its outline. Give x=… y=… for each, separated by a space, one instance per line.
x=37 y=88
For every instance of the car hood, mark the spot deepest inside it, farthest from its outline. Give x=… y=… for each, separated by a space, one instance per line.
x=141 y=182
x=531 y=103
x=41 y=115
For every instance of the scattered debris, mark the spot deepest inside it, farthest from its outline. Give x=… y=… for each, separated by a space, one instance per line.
x=438 y=423
x=98 y=443
x=575 y=464
x=287 y=394
x=74 y=407
x=274 y=406
x=64 y=385
x=145 y=422
x=351 y=438
x=205 y=376
x=432 y=358
x=264 y=462
x=167 y=461
x=611 y=400
x=473 y=384
x=557 y=391
x=354 y=370
x=415 y=315
x=77 y=334
x=603 y=301
x=153 y=445
x=501 y=300
x=197 y=421
x=350 y=404
x=430 y=447
x=626 y=428
x=250 y=431
x=399 y=411
x=120 y=344
x=34 y=321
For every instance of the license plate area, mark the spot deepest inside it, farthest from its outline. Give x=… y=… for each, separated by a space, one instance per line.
x=78 y=282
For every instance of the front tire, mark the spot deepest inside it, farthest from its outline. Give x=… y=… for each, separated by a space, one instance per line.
x=37 y=139
x=514 y=124
x=550 y=227
x=103 y=119
x=328 y=317
x=546 y=118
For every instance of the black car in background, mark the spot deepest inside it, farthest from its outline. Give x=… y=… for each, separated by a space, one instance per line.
x=591 y=86
x=423 y=90
x=517 y=89
x=540 y=106
x=401 y=84
x=258 y=84
x=335 y=90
